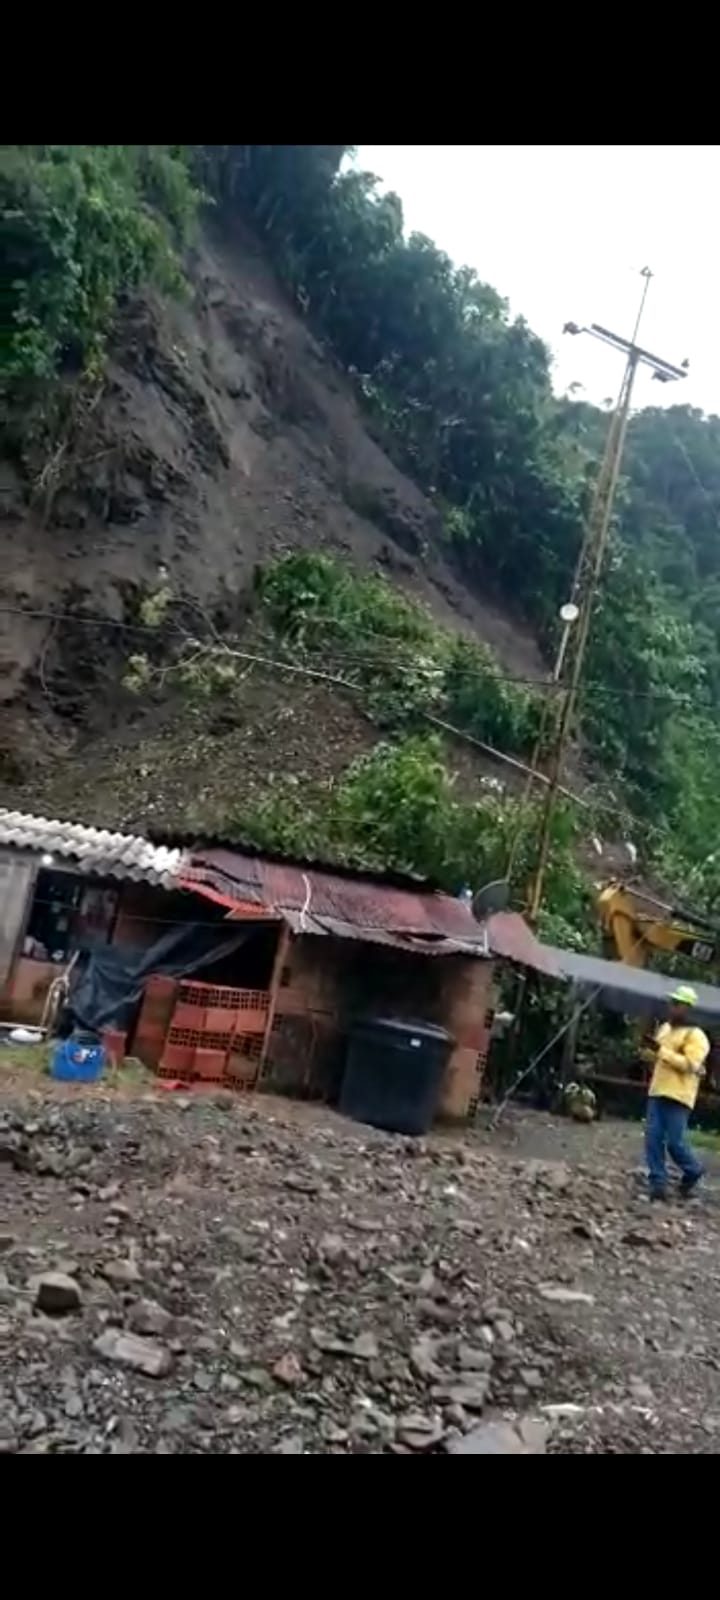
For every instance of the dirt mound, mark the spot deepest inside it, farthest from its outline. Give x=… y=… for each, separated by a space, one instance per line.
x=224 y=434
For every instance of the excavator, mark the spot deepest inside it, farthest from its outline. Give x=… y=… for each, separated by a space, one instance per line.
x=634 y=925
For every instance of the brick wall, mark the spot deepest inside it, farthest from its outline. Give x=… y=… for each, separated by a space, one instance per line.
x=326 y=984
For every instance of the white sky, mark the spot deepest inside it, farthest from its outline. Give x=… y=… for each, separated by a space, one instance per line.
x=562 y=231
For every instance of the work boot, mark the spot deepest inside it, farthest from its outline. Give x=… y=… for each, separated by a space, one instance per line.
x=687 y=1186
x=658 y=1194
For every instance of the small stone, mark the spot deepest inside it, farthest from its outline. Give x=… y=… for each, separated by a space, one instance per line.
x=290 y=1446
x=422 y=1358
x=534 y=1433
x=329 y=1342
x=531 y=1377
x=501 y=1439
x=505 y=1331
x=129 y=1350
x=7 y=1241
x=473 y=1360
x=73 y=1406
x=146 y=1316
x=471 y=1396
x=332 y=1433
x=331 y=1249
x=109 y=1192
x=203 y=1381
x=243 y=1243
x=288 y=1370
x=419 y=1432
x=565 y=1297
x=56 y=1294
x=365 y=1347
x=121 y=1273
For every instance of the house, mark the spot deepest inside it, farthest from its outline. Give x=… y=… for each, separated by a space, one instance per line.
x=304 y=951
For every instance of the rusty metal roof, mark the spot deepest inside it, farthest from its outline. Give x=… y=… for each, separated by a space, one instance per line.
x=96 y=850
x=320 y=902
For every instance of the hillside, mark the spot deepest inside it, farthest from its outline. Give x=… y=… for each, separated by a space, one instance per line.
x=224 y=435
x=281 y=488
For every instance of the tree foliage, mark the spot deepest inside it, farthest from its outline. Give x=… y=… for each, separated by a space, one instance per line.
x=80 y=226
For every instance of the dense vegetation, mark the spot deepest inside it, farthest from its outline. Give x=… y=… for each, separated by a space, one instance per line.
x=461 y=395
x=81 y=226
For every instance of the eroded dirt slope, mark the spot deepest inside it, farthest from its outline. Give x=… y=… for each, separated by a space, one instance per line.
x=224 y=434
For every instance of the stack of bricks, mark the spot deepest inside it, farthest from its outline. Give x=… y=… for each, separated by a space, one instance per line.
x=216 y=1033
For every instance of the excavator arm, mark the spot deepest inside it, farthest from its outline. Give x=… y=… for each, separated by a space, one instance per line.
x=634 y=924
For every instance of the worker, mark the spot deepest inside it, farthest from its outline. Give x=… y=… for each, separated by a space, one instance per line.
x=680 y=1051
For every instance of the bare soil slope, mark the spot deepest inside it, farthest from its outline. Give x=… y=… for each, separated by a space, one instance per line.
x=224 y=434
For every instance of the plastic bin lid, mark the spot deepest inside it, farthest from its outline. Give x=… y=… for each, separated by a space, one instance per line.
x=424 y=1030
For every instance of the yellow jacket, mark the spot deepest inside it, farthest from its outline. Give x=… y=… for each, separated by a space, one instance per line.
x=679 y=1063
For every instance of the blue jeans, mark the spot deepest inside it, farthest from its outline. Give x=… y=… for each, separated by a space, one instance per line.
x=665 y=1132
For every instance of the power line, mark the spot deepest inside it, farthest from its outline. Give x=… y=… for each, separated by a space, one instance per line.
x=680 y=698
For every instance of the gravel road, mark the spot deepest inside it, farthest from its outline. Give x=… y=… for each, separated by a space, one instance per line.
x=220 y=1275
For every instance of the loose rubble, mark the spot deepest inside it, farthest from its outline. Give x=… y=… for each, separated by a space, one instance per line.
x=238 y=1276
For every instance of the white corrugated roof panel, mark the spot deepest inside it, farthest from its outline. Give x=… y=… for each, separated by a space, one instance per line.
x=97 y=850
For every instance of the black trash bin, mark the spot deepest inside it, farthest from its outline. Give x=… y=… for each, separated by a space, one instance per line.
x=393 y=1074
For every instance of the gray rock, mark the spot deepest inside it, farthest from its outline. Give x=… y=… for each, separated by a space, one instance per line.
x=422 y=1358
x=146 y=1316
x=121 y=1273
x=419 y=1432
x=56 y=1294
x=471 y=1396
x=565 y=1297
x=129 y=1350
x=288 y=1370
x=505 y=1331
x=473 y=1360
x=501 y=1439
x=365 y=1347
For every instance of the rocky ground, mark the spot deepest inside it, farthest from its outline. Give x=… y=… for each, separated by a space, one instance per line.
x=221 y=1275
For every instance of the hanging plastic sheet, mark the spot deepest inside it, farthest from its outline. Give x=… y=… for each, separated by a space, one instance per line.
x=108 y=981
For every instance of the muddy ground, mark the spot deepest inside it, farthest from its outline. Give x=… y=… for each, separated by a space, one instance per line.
x=246 y=1275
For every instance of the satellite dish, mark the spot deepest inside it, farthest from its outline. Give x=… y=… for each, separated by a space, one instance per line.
x=492 y=897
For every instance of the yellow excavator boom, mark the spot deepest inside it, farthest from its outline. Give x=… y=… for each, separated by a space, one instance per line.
x=635 y=924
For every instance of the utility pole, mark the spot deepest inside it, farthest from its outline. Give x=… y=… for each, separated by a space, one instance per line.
x=592 y=554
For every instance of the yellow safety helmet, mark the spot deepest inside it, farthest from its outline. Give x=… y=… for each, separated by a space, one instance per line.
x=684 y=995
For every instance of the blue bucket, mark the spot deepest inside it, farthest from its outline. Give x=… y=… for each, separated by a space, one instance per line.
x=77 y=1060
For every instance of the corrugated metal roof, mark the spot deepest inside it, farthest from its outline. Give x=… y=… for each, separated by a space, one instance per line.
x=96 y=850
x=319 y=902
x=509 y=936
x=634 y=990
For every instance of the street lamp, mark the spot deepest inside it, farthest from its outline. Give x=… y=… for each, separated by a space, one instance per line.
x=569 y=614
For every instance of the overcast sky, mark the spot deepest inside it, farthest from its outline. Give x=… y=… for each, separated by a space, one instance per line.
x=562 y=231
